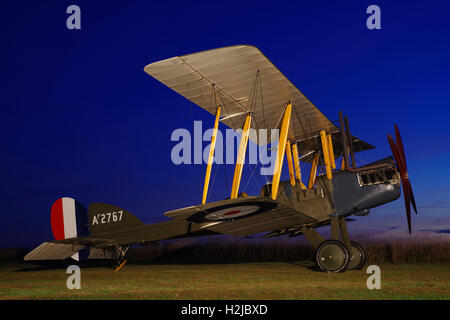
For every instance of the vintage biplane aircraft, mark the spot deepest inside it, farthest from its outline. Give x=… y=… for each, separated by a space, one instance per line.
x=235 y=75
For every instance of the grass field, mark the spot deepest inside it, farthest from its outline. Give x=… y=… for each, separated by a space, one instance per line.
x=263 y=280
x=225 y=268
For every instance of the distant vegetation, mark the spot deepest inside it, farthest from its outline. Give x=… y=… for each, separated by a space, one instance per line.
x=235 y=250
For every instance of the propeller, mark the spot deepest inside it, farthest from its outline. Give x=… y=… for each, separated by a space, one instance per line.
x=399 y=154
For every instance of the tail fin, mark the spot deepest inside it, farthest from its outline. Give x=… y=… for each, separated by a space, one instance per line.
x=69 y=220
x=106 y=218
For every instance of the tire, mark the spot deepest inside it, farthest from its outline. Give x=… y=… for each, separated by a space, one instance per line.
x=332 y=256
x=358 y=256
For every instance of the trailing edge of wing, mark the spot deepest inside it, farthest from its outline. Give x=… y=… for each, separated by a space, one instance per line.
x=275 y=216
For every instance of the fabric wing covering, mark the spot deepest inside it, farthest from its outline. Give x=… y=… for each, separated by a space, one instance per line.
x=244 y=80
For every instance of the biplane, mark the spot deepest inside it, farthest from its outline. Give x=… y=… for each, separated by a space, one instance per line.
x=235 y=75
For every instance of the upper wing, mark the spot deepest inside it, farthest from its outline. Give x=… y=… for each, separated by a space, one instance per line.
x=233 y=71
x=242 y=216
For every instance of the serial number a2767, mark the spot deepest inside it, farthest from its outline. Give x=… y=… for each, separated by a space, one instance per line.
x=103 y=218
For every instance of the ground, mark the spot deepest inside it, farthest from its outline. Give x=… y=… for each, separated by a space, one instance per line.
x=268 y=280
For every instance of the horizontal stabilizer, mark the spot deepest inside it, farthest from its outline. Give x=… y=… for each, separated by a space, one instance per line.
x=90 y=242
x=53 y=251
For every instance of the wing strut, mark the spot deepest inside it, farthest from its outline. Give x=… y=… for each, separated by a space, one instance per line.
x=211 y=155
x=298 y=173
x=331 y=152
x=290 y=163
x=350 y=142
x=241 y=157
x=344 y=141
x=281 y=150
x=326 y=153
x=312 y=175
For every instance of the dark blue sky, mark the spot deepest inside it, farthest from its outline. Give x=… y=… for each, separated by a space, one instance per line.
x=82 y=119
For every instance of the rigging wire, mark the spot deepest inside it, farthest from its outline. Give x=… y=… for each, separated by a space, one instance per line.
x=191 y=104
x=226 y=110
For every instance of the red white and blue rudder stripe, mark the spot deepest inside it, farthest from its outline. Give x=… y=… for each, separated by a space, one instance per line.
x=69 y=219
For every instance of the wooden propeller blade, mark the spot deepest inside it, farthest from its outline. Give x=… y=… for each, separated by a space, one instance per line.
x=404 y=178
x=406 y=195
x=395 y=152
x=401 y=150
x=413 y=201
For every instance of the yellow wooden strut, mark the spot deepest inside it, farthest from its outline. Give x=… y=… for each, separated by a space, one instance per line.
x=298 y=173
x=343 y=163
x=290 y=164
x=281 y=149
x=211 y=156
x=331 y=152
x=326 y=156
x=240 y=158
x=312 y=175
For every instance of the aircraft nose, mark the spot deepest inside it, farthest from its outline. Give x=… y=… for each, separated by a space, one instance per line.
x=350 y=196
x=376 y=195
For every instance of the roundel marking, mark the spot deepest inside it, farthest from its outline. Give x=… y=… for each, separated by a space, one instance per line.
x=233 y=211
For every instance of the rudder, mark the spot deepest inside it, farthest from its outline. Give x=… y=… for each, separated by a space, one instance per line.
x=69 y=220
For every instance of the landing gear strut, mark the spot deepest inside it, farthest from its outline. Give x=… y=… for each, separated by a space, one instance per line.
x=117 y=254
x=339 y=253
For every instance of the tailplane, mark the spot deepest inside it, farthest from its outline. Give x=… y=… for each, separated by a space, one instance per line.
x=82 y=234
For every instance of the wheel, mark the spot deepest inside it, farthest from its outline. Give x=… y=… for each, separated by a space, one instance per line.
x=358 y=256
x=332 y=256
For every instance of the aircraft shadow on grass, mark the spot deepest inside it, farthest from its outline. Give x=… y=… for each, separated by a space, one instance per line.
x=179 y=256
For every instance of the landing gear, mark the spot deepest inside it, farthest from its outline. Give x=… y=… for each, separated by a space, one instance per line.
x=117 y=254
x=358 y=256
x=332 y=256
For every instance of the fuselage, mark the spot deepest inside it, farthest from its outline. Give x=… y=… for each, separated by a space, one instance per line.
x=345 y=194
